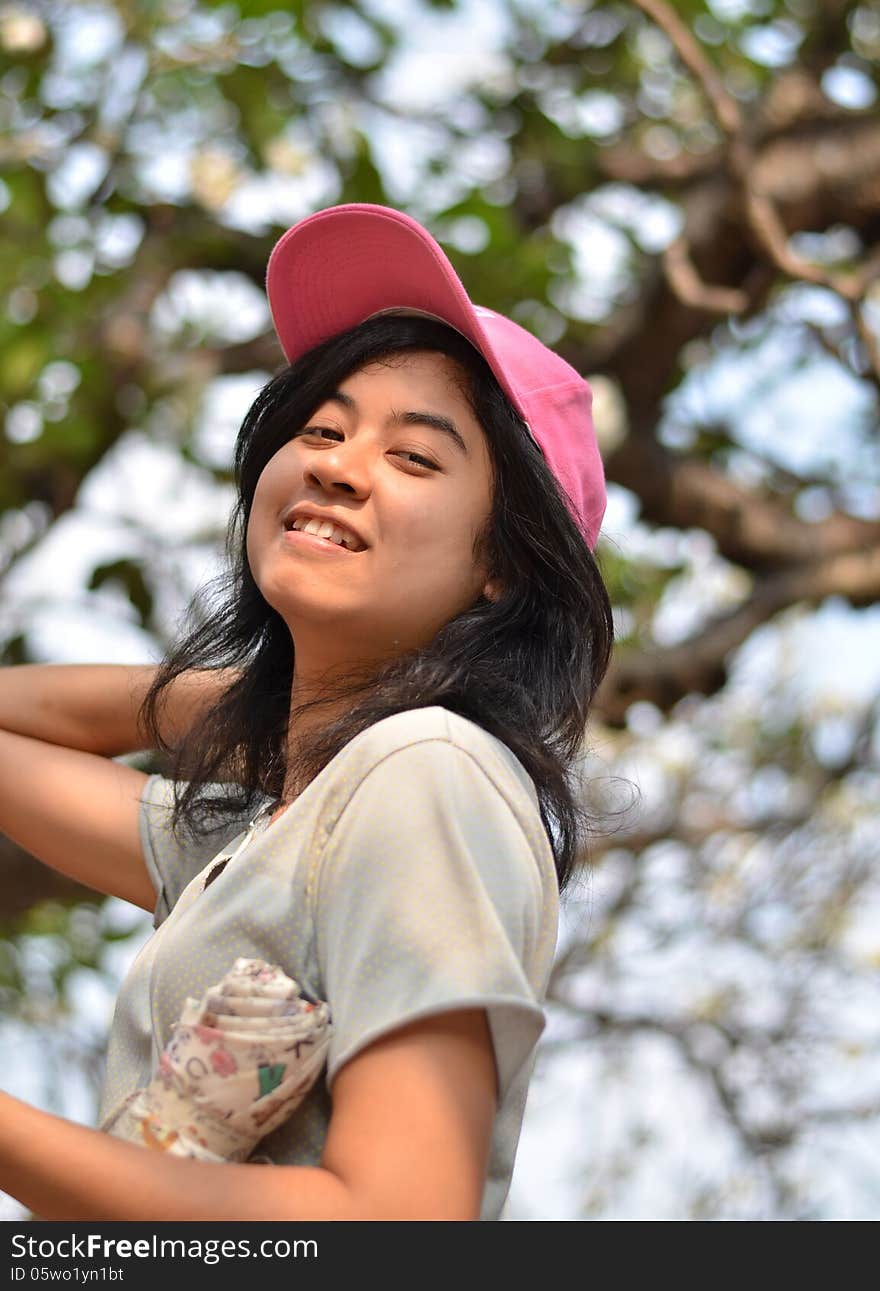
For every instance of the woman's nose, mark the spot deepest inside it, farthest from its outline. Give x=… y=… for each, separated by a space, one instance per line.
x=345 y=465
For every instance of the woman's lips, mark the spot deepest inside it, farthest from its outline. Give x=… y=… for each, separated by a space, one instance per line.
x=311 y=542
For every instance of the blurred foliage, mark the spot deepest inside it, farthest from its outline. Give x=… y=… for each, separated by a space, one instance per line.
x=142 y=143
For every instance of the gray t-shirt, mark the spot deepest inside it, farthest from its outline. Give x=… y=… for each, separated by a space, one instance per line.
x=412 y=876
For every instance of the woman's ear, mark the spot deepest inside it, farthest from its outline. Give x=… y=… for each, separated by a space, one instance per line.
x=493 y=590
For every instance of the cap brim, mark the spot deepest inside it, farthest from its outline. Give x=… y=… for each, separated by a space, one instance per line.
x=340 y=266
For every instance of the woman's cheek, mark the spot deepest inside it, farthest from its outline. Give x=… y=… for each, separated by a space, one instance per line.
x=255 y=547
x=250 y=548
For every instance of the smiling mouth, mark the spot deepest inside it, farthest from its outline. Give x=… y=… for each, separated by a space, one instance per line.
x=335 y=534
x=300 y=538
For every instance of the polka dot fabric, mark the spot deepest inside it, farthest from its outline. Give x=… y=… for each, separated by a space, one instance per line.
x=411 y=877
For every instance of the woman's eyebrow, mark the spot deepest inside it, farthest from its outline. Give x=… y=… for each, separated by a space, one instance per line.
x=413 y=418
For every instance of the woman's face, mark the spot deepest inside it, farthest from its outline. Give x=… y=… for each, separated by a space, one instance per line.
x=413 y=494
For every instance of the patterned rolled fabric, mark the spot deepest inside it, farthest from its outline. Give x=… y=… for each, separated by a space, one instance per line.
x=238 y=1064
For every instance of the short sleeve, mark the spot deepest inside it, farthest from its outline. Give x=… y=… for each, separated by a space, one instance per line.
x=429 y=899
x=173 y=860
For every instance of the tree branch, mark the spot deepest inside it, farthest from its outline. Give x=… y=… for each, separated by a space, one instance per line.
x=679 y=1032
x=756 y=532
x=724 y=105
x=698 y=665
x=763 y=218
x=692 y=291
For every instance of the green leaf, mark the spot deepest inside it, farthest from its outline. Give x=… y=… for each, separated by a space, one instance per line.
x=21 y=363
x=131 y=576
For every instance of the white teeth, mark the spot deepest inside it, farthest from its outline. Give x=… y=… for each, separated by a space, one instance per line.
x=325 y=529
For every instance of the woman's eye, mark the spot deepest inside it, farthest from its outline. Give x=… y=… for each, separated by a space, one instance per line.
x=423 y=461
x=316 y=430
x=326 y=430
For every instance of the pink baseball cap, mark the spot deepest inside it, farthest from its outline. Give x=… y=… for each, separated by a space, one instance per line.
x=345 y=264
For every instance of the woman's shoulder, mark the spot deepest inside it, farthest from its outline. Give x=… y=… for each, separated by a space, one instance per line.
x=413 y=727
x=435 y=757
x=427 y=781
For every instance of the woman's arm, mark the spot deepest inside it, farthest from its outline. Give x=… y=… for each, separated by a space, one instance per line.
x=94 y=707
x=412 y=1119
x=62 y=796
x=76 y=812
x=409 y=1138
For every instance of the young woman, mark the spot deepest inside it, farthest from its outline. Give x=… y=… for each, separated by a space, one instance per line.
x=371 y=732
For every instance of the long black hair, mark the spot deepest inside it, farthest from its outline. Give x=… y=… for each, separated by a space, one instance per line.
x=525 y=667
